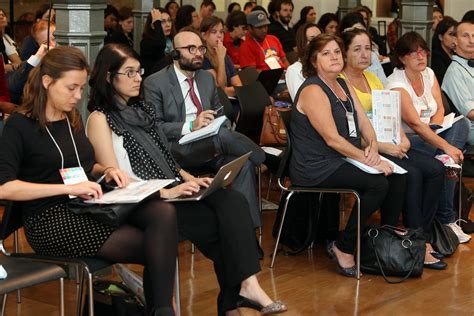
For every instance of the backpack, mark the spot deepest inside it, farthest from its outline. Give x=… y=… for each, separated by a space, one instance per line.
x=113 y=298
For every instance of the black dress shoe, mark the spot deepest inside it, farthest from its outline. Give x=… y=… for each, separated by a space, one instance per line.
x=436 y=265
x=350 y=272
x=436 y=255
x=468 y=227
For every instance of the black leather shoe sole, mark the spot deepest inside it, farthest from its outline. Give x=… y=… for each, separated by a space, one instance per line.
x=440 y=265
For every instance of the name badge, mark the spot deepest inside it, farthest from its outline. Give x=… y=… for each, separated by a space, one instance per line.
x=272 y=62
x=425 y=115
x=72 y=176
x=351 y=124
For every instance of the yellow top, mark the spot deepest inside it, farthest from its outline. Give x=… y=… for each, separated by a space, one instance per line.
x=366 y=98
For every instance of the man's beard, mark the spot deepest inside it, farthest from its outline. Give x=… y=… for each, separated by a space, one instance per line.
x=189 y=65
x=285 y=20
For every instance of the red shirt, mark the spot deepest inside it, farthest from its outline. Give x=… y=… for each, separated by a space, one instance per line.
x=253 y=53
x=232 y=50
x=4 y=93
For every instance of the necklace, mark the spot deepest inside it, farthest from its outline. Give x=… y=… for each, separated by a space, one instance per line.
x=366 y=86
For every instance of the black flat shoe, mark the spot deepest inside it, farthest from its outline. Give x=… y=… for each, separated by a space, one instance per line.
x=435 y=265
x=348 y=272
x=276 y=307
x=436 y=255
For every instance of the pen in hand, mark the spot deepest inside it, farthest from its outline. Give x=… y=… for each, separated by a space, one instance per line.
x=394 y=141
x=101 y=179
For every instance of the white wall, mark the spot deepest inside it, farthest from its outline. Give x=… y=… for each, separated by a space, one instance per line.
x=457 y=8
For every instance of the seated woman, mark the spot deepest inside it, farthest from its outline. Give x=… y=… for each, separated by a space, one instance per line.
x=425 y=175
x=8 y=48
x=294 y=75
x=39 y=35
x=156 y=41
x=220 y=225
x=124 y=32
x=217 y=62
x=44 y=137
x=443 y=45
x=422 y=112
x=328 y=124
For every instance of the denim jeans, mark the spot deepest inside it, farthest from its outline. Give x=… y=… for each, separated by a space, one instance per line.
x=456 y=136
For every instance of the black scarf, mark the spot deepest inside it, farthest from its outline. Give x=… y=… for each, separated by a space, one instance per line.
x=136 y=123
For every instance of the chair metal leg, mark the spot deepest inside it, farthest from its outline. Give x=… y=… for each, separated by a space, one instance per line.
x=177 y=289
x=192 y=248
x=460 y=195
x=260 y=202
x=61 y=296
x=91 y=292
x=269 y=186
x=80 y=289
x=282 y=220
x=4 y=303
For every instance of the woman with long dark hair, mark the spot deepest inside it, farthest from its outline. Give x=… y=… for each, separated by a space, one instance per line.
x=123 y=131
x=307 y=15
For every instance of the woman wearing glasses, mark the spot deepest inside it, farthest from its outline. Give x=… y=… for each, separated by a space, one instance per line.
x=423 y=112
x=219 y=225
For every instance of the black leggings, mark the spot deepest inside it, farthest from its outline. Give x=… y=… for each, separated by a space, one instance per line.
x=372 y=189
x=150 y=237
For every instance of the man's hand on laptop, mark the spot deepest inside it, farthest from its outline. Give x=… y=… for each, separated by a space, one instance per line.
x=203 y=119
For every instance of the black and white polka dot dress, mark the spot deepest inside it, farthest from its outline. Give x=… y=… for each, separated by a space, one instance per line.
x=59 y=232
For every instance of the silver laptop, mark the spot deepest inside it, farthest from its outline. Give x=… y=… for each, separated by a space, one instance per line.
x=223 y=178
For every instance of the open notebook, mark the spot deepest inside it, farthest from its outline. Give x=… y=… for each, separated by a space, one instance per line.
x=368 y=169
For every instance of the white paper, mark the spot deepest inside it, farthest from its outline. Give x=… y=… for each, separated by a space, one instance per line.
x=396 y=168
x=210 y=130
x=272 y=62
x=386 y=118
x=133 y=193
x=3 y=273
x=448 y=121
x=272 y=151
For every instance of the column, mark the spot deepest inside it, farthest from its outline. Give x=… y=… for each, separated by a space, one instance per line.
x=347 y=5
x=80 y=23
x=141 y=8
x=416 y=16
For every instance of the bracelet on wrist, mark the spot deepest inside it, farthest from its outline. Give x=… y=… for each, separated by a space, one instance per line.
x=191 y=126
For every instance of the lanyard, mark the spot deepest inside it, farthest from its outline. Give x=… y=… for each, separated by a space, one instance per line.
x=261 y=47
x=340 y=101
x=59 y=149
x=369 y=90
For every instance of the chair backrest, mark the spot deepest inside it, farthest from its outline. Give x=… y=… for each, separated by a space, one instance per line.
x=253 y=99
x=270 y=79
x=448 y=104
x=12 y=220
x=248 y=75
x=228 y=109
x=282 y=172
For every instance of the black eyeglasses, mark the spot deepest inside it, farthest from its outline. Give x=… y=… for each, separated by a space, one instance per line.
x=193 y=49
x=132 y=73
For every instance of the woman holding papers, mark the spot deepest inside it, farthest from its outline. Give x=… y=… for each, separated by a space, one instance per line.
x=328 y=124
x=220 y=225
x=423 y=112
x=44 y=149
x=425 y=175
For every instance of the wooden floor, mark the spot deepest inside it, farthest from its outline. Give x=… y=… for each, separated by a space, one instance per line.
x=308 y=283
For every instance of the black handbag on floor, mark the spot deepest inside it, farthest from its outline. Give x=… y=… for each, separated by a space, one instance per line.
x=110 y=214
x=391 y=251
x=443 y=239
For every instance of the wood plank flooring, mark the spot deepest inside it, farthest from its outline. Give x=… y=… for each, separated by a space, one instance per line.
x=308 y=283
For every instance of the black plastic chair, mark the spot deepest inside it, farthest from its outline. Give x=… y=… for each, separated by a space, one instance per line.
x=227 y=104
x=248 y=75
x=12 y=221
x=253 y=99
x=291 y=189
x=24 y=272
